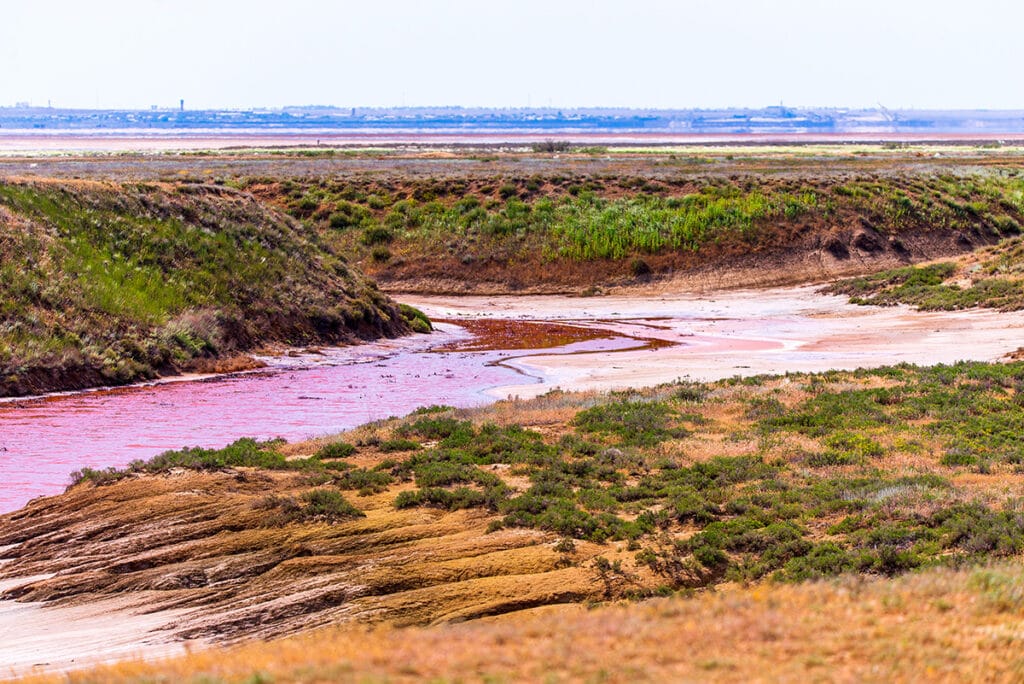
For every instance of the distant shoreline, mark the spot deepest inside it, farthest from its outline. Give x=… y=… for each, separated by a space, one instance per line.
x=162 y=140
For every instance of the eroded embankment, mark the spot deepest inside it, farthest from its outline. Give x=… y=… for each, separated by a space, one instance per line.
x=111 y=283
x=567 y=232
x=209 y=542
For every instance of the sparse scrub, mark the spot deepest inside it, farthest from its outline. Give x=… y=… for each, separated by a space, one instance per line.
x=366 y=481
x=335 y=450
x=871 y=490
x=636 y=422
x=328 y=505
x=393 y=445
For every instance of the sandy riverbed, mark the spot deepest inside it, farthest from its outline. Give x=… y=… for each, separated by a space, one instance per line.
x=739 y=333
x=42 y=638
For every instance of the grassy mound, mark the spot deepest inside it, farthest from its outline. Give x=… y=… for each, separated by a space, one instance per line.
x=104 y=283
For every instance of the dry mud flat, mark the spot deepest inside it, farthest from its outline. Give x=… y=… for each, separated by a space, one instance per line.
x=736 y=333
x=121 y=140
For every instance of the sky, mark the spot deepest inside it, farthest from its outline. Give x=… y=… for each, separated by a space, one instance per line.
x=519 y=53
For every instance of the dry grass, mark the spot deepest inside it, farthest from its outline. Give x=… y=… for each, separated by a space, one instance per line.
x=940 y=625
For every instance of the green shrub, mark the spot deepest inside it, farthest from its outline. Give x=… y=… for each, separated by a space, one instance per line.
x=347 y=215
x=416 y=319
x=448 y=499
x=366 y=481
x=393 y=445
x=99 y=477
x=328 y=505
x=335 y=450
x=245 y=452
x=641 y=423
x=375 y=235
x=435 y=428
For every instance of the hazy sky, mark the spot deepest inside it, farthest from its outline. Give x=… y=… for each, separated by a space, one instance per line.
x=636 y=53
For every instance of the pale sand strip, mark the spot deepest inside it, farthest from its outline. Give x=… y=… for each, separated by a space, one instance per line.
x=40 y=638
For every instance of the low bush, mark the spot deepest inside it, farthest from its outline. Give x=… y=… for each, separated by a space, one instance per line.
x=328 y=505
x=335 y=450
x=393 y=445
x=416 y=319
x=635 y=422
x=366 y=481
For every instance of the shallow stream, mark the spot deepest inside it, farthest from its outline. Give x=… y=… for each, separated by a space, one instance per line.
x=304 y=395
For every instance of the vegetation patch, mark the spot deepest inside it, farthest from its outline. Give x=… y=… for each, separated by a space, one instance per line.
x=633 y=226
x=243 y=453
x=316 y=505
x=105 y=284
x=755 y=514
x=635 y=422
x=872 y=471
x=991 y=278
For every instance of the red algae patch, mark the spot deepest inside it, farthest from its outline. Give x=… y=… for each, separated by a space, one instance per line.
x=503 y=334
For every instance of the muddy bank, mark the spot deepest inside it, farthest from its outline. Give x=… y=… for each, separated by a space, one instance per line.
x=573 y=229
x=48 y=638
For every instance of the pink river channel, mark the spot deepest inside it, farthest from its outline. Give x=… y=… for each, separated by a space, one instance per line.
x=44 y=439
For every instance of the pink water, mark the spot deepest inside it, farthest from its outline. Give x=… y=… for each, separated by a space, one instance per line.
x=43 y=440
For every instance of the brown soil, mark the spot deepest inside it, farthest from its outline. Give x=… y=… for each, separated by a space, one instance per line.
x=511 y=334
x=201 y=541
x=811 y=255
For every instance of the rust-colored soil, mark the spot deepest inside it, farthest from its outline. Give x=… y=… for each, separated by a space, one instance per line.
x=509 y=334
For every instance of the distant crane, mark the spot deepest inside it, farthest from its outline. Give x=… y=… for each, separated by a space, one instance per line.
x=889 y=116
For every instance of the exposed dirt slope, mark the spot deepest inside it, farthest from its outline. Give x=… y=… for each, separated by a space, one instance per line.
x=199 y=540
x=992 y=277
x=106 y=283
